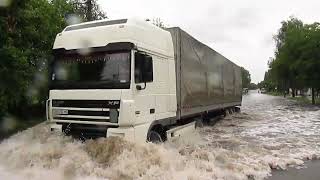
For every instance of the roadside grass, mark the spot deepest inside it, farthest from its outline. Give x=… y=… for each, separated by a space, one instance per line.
x=275 y=93
x=305 y=100
x=300 y=99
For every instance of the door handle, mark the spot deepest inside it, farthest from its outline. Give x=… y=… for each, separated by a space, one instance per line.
x=152 y=111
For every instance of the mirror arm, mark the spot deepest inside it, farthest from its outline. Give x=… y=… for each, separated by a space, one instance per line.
x=145 y=85
x=140 y=88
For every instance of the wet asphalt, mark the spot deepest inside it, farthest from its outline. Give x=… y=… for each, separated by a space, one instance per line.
x=311 y=171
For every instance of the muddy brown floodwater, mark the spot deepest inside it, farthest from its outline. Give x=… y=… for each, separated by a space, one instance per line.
x=270 y=133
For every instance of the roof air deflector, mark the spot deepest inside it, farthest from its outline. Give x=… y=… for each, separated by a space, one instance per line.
x=96 y=24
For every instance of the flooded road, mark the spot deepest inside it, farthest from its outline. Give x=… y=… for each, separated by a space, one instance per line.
x=270 y=133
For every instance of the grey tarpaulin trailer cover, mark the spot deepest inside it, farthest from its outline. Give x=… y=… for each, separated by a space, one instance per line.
x=205 y=79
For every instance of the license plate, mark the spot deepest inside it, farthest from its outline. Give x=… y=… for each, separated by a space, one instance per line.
x=59 y=112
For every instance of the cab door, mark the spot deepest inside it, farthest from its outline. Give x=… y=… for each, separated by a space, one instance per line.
x=144 y=88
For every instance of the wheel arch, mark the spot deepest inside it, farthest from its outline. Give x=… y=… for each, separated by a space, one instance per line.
x=160 y=126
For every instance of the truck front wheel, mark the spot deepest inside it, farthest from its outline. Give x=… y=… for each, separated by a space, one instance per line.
x=154 y=137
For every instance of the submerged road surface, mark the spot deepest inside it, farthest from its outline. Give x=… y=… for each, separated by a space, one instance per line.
x=269 y=133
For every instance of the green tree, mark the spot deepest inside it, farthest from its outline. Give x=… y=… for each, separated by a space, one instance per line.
x=297 y=57
x=29 y=28
x=246 y=79
x=268 y=82
x=88 y=10
x=253 y=86
x=27 y=32
x=308 y=64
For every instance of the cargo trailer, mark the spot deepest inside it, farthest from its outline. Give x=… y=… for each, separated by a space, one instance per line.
x=206 y=80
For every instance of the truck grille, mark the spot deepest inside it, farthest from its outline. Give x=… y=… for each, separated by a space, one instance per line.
x=86 y=110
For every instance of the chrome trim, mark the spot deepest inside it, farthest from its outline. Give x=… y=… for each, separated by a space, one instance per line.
x=84 y=122
x=82 y=109
x=84 y=117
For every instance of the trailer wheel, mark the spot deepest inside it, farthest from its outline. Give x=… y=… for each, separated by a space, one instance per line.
x=154 y=137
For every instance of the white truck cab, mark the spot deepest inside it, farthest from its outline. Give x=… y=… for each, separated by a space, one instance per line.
x=112 y=78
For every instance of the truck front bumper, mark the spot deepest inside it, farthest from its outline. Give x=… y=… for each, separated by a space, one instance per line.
x=126 y=133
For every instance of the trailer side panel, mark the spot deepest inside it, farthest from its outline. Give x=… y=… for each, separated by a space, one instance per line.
x=205 y=79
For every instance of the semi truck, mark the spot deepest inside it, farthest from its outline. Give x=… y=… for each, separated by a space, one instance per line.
x=131 y=79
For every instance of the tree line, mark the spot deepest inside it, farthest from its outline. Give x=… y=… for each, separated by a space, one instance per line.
x=27 y=32
x=246 y=78
x=296 y=64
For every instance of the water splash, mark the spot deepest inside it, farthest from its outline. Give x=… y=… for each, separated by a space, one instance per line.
x=271 y=132
x=8 y=123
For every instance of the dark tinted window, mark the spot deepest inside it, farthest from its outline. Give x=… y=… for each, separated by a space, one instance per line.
x=113 y=67
x=143 y=71
x=138 y=78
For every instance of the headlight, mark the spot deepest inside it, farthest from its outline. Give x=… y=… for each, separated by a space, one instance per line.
x=113 y=115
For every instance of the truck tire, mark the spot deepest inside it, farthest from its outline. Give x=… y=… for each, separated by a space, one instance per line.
x=154 y=137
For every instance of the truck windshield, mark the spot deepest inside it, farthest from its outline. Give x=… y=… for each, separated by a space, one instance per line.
x=94 y=71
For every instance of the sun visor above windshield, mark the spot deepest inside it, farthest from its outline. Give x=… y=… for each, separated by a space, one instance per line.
x=111 y=47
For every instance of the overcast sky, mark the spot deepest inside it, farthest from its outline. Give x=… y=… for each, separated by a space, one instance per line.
x=241 y=30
